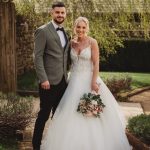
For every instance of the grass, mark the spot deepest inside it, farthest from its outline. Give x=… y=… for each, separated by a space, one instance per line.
x=8 y=144
x=139 y=80
x=28 y=81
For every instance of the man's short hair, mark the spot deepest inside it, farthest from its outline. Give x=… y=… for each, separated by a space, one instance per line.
x=58 y=4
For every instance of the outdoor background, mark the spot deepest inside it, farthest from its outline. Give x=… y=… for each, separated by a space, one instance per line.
x=122 y=29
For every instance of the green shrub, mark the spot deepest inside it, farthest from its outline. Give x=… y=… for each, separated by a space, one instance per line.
x=117 y=84
x=8 y=144
x=15 y=114
x=28 y=81
x=133 y=57
x=140 y=126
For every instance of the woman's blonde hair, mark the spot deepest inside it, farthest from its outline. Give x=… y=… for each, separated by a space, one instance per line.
x=79 y=19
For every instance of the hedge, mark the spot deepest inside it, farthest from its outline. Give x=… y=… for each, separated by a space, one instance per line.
x=135 y=56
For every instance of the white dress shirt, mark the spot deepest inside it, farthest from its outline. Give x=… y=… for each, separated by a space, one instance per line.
x=60 y=34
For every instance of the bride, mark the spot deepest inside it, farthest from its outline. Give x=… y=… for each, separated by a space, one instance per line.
x=70 y=130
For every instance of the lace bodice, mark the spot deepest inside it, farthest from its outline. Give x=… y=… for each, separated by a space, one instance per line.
x=81 y=62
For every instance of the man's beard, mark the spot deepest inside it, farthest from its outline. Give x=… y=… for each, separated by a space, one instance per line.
x=59 y=22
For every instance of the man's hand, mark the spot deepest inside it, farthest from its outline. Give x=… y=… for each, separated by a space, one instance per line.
x=45 y=85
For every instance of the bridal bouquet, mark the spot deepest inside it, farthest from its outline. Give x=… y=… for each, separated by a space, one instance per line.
x=90 y=105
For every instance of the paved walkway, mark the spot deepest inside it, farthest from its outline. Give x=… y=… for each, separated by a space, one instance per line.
x=130 y=109
x=144 y=99
x=137 y=104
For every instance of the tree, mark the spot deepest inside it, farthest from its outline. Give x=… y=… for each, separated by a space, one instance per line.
x=109 y=20
x=7 y=47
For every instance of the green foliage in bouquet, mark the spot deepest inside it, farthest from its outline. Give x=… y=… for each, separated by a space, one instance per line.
x=90 y=105
x=15 y=114
x=96 y=97
x=140 y=126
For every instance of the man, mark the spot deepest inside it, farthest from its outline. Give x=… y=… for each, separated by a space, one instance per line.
x=51 y=56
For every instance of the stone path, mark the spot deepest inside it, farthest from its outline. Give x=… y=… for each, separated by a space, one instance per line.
x=137 y=104
x=144 y=99
x=130 y=109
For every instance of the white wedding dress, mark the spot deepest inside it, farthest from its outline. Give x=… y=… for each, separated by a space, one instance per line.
x=70 y=130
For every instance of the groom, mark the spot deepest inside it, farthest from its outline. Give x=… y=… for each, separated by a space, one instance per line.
x=51 y=57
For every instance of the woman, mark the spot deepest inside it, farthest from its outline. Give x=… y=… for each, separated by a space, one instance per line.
x=70 y=130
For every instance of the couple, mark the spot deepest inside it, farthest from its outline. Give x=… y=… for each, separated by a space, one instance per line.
x=70 y=130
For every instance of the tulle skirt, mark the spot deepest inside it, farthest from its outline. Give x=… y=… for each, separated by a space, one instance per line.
x=70 y=130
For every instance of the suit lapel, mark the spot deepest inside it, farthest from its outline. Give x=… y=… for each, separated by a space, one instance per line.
x=54 y=33
x=56 y=36
x=67 y=41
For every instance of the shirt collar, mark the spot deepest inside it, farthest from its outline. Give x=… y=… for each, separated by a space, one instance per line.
x=55 y=25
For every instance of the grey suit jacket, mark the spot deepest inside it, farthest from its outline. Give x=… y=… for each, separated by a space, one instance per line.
x=50 y=57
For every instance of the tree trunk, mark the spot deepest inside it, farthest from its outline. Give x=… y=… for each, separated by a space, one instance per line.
x=7 y=47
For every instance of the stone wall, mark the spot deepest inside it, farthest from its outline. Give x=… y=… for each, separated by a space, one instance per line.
x=24 y=45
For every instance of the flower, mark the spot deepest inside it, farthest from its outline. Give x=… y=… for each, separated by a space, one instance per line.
x=90 y=105
x=94 y=102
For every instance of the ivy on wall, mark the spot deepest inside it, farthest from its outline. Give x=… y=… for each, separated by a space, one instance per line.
x=110 y=21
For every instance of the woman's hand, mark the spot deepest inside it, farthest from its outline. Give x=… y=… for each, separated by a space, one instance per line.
x=95 y=87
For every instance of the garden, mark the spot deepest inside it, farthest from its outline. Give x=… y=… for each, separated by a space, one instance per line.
x=123 y=34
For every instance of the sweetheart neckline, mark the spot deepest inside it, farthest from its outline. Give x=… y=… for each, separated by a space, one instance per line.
x=81 y=50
